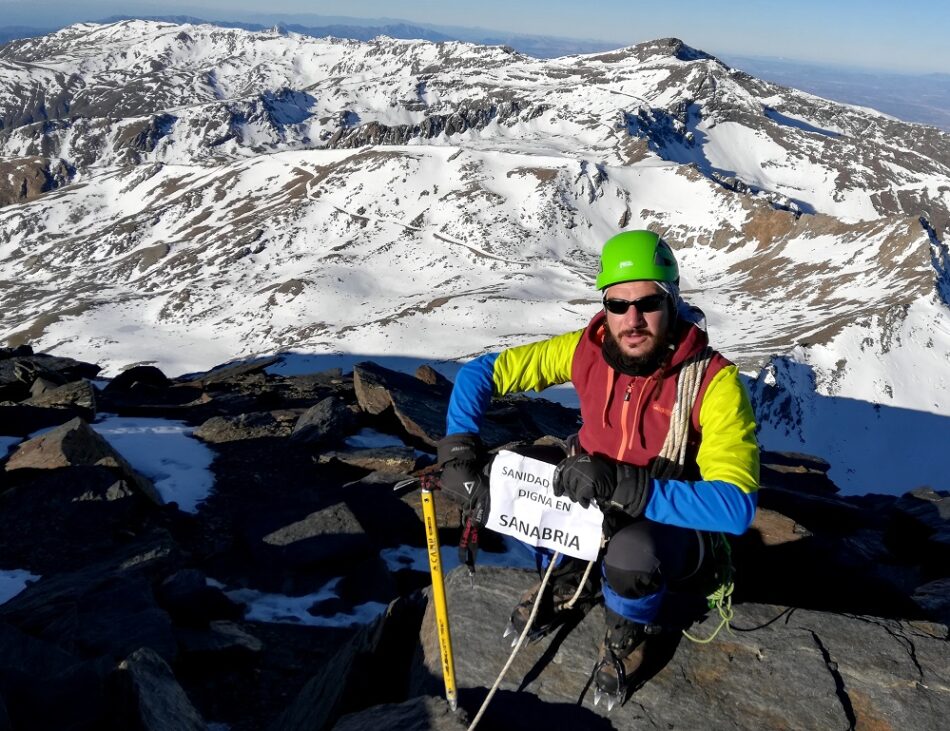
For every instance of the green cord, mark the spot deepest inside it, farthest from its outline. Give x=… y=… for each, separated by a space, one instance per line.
x=721 y=598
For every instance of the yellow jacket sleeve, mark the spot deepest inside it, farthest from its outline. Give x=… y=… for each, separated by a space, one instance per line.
x=728 y=450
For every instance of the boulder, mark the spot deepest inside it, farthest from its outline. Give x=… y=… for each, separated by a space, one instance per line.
x=41 y=386
x=79 y=395
x=920 y=527
x=423 y=713
x=801 y=473
x=419 y=407
x=147 y=696
x=775 y=529
x=138 y=379
x=76 y=443
x=62 y=519
x=26 y=369
x=46 y=688
x=399 y=460
x=225 y=373
x=20 y=420
x=107 y=608
x=191 y=602
x=332 y=534
x=934 y=598
x=328 y=422
x=430 y=376
x=259 y=425
x=779 y=668
x=17 y=352
x=324 y=695
x=221 y=643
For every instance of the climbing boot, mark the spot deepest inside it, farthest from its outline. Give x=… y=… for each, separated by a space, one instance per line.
x=621 y=656
x=555 y=607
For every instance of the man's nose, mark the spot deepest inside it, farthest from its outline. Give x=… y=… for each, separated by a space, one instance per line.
x=633 y=317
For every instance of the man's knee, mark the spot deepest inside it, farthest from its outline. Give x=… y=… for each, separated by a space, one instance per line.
x=644 y=555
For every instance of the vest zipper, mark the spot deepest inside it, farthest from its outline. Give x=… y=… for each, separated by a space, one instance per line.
x=623 y=422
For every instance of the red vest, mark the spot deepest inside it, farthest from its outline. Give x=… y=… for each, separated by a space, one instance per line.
x=625 y=417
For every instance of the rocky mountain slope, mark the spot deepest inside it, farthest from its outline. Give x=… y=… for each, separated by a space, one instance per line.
x=189 y=194
x=294 y=595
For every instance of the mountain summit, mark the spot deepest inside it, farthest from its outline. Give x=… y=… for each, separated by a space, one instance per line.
x=184 y=194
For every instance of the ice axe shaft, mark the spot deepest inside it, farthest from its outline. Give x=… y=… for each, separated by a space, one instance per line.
x=438 y=595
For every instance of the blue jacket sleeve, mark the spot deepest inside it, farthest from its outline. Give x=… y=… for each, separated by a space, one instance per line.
x=713 y=505
x=471 y=395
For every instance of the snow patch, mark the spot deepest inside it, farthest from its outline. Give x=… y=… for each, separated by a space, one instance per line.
x=283 y=609
x=164 y=451
x=14 y=581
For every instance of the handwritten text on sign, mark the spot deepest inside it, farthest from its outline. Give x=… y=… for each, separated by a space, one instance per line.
x=523 y=506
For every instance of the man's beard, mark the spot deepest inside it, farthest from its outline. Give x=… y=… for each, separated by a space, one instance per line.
x=634 y=365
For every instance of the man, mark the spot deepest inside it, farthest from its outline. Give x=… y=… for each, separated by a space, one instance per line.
x=668 y=449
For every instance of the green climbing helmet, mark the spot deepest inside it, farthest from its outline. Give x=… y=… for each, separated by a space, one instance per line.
x=634 y=256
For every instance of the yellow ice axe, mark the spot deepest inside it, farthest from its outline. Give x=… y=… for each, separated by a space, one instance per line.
x=438 y=594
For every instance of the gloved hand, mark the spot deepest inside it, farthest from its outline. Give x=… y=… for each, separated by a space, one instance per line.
x=461 y=457
x=587 y=478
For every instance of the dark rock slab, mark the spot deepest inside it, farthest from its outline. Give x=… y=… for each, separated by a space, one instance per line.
x=430 y=376
x=17 y=352
x=191 y=602
x=18 y=420
x=141 y=379
x=26 y=369
x=328 y=422
x=221 y=643
x=398 y=460
x=107 y=608
x=814 y=511
x=546 y=418
x=65 y=518
x=785 y=669
x=419 y=407
x=148 y=697
x=774 y=529
x=332 y=534
x=423 y=713
x=934 y=598
x=224 y=374
x=4 y=716
x=323 y=697
x=920 y=527
x=76 y=443
x=803 y=473
x=219 y=429
x=79 y=395
x=41 y=386
x=47 y=689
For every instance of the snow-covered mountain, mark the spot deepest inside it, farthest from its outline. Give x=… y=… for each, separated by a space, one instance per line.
x=187 y=194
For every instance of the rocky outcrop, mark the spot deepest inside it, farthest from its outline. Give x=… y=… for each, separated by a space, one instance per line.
x=301 y=580
x=780 y=667
x=153 y=699
x=75 y=444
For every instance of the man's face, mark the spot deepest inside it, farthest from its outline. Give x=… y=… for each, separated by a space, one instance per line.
x=638 y=335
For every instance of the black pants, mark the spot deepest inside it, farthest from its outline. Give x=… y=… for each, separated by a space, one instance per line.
x=643 y=557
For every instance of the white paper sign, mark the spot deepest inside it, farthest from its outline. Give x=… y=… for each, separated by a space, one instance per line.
x=523 y=506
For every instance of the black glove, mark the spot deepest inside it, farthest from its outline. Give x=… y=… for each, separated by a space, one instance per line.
x=588 y=478
x=461 y=458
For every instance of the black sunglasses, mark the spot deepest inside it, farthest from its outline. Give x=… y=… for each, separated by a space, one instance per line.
x=650 y=303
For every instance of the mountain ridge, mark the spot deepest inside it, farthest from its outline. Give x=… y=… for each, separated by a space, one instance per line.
x=192 y=194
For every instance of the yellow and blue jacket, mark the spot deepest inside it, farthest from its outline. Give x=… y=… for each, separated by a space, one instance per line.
x=627 y=418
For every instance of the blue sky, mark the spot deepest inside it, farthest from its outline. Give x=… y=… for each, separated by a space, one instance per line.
x=899 y=35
